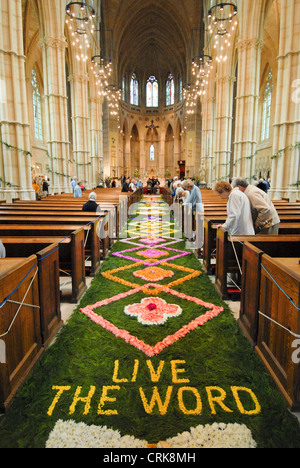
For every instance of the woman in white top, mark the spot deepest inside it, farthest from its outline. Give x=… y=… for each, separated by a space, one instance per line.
x=239 y=218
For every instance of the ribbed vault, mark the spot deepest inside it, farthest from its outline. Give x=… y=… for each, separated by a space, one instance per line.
x=153 y=37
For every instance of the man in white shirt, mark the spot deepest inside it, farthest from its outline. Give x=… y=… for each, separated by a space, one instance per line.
x=264 y=214
x=239 y=219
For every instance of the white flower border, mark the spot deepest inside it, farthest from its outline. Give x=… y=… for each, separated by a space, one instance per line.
x=69 y=434
x=216 y=435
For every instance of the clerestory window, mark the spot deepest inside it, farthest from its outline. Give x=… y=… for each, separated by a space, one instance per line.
x=152 y=92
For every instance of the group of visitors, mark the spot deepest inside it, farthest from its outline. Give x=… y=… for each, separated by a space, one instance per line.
x=130 y=185
x=186 y=190
x=249 y=208
x=41 y=187
x=153 y=186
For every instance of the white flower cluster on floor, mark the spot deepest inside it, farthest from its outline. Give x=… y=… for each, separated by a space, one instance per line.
x=217 y=435
x=69 y=434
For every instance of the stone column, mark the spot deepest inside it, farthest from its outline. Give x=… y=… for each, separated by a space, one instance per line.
x=80 y=123
x=208 y=131
x=127 y=168
x=161 y=156
x=15 y=160
x=96 y=138
x=249 y=58
x=223 y=118
x=142 y=156
x=55 y=101
x=177 y=153
x=286 y=150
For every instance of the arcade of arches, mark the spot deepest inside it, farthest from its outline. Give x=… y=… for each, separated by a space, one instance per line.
x=55 y=124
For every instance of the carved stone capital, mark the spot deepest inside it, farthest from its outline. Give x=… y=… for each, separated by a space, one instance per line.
x=53 y=42
x=247 y=44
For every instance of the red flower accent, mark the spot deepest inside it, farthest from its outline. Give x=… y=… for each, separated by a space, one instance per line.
x=153 y=311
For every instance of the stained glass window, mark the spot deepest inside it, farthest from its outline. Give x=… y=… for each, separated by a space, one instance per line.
x=180 y=88
x=152 y=153
x=123 y=88
x=170 y=91
x=37 y=114
x=152 y=92
x=266 y=117
x=134 y=90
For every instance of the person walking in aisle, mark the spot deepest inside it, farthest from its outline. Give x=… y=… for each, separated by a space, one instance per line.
x=77 y=191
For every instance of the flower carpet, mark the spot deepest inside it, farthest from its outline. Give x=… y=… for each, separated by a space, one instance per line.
x=151 y=357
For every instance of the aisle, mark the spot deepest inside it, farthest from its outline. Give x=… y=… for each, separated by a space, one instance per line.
x=150 y=356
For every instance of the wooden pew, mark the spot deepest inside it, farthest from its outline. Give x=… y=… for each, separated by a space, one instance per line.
x=96 y=229
x=288 y=225
x=275 y=344
x=251 y=280
x=166 y=194
x=52 y=230
x=49 y=293
x=71 y=256
x=29 y=315
x=226 y=261
x=23 y=343
x=70 y=208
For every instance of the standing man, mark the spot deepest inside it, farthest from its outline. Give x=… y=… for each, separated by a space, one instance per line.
x=264 y=214
x=45 y=188
x=73 y=183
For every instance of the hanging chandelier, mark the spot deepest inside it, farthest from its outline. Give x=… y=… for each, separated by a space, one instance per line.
x=201 y=69
x=222 y=23
x=190 y=93
x=80 y=14
x=113 y=96
x=80 y=22
x=102 y=69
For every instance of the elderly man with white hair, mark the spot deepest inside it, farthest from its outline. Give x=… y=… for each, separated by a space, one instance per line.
x=264 y=214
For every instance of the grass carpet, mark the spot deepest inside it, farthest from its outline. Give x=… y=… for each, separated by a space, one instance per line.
x=205 y=366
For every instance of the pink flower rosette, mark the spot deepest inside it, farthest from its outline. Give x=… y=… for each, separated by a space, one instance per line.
x=153 y=311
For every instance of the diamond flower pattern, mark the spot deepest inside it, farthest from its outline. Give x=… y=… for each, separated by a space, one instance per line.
x=152 y=253
x=152 y=310
x=153 y=274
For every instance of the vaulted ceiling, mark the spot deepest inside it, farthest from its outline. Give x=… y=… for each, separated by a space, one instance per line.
x=152 y=36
